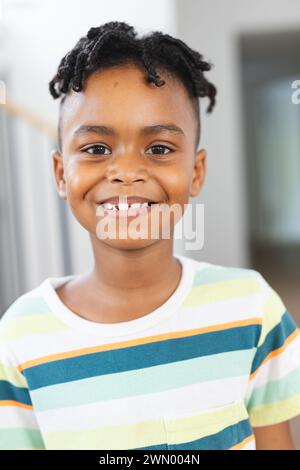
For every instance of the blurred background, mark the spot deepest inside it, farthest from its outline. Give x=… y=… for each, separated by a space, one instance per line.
x=252 y=189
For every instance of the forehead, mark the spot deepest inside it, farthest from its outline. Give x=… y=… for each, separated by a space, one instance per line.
x=121 y=97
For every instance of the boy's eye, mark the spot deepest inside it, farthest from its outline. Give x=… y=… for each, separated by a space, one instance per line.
x=97 y=147
x=100 y=149
x=159 y=147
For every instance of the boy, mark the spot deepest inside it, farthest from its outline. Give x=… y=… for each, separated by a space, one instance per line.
x=147 y=350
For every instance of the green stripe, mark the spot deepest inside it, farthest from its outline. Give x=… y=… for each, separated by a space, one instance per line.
x=217 y=273
x=276 y=412
x=21 y=438
x=143 y=381
x=276 y=390
x=26 y=306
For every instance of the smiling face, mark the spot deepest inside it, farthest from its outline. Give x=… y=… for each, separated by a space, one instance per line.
x=124 y=137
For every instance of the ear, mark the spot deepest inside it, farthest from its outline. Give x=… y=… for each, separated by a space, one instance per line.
x=199 y=172
x=59 y=173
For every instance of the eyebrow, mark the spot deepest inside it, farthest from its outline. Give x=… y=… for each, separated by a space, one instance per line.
x=145 y=131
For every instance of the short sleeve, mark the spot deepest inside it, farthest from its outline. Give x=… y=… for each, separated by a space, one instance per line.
x=273 y=393
x=18 y=425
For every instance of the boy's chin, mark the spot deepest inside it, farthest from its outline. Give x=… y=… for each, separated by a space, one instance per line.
x=128 y=243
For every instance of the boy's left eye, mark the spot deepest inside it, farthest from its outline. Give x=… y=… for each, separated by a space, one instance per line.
x=161 y=147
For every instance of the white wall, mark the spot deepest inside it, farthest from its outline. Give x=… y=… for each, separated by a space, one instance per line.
x=211 y=27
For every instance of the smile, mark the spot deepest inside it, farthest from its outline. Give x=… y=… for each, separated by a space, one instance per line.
x=127 y=210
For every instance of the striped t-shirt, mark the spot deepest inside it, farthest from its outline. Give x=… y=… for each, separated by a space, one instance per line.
x=219 y=356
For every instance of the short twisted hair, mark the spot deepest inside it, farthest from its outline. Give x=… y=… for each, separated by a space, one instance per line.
x=115 y=43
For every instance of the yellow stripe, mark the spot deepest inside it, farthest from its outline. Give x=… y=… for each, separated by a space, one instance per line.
x=138 y=341
x=10 y=374
x=15 y=403
x=223 y=290
x=123 y=436
x=273 y=312
x=243 y=443
x=276 y=352
x=273 y=413
x=17 y=328
x=204 y=424
x=150 y=432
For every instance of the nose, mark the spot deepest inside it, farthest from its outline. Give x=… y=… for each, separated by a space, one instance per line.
x=127 y=169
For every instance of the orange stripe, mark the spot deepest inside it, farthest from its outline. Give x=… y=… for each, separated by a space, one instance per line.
x=15 y=403
x=242 y=444
x=277 y=351
x=138 y=341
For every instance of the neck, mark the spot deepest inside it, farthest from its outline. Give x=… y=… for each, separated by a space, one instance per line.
x=133 y=270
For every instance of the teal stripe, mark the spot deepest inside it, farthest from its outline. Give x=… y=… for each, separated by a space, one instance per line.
x=143 y=381
x=276 y=390
x=140 y=356
x=9 y=391
x=21 y=438
x=211 y=274
x=274 y=339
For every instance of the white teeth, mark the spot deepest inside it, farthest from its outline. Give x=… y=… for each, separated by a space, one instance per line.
x=139 y=205
x=124 y=206
x=109 y=206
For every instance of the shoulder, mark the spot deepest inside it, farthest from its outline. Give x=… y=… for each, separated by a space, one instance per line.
x=227 y=294
x=249 y=294
x=231 y=281
x=27 y=316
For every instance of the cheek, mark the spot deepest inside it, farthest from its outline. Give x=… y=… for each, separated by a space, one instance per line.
x=79 y=179
x=177 y=184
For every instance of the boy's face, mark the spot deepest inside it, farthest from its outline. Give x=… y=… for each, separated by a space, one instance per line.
x=159 y=165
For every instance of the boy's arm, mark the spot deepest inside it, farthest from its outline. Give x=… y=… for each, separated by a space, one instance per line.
x=274 y=437
x=273 y=393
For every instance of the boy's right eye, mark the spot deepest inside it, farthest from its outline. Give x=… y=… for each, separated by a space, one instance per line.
x=92 y=147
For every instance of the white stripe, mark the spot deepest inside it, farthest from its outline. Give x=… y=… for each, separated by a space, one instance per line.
x=217 y=313
x=16 y=417
x=278 y=366
x=40 y=345
x=181 y=402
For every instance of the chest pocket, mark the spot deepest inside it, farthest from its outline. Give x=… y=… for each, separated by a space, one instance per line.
x=218 y=428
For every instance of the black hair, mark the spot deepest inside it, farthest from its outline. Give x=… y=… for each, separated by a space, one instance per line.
x=115 y=43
